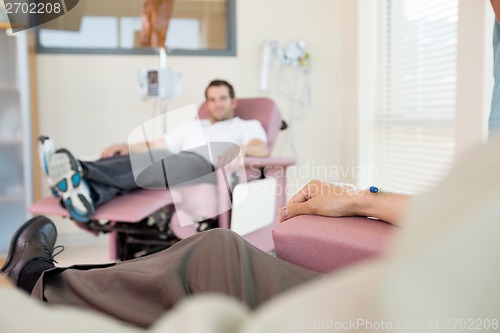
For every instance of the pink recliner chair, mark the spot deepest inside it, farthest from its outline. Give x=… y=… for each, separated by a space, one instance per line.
x=145 y=221
x=327 y=244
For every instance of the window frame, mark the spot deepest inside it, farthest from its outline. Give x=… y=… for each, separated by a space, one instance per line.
x=230 y=51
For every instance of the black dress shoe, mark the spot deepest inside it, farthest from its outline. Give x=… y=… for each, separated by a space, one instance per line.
x=35 y=239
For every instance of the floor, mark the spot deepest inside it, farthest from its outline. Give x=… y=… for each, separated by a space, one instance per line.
x=95 y=254
x=92 y=253
x=80 y=247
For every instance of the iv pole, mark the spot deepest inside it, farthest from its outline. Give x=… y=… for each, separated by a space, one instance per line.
x=162 y=79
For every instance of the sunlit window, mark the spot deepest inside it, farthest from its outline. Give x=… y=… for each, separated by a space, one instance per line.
x=103 y=26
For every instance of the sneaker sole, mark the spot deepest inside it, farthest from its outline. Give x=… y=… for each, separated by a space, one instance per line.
x=42 y=150
x=13 y=242
x=41 y=140
x=68 y=204
x=75 y=213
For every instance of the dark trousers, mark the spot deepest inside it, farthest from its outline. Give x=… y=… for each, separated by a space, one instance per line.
x=109 y=177
x=139 y=291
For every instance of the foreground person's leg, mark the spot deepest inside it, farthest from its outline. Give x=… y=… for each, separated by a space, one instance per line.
x=140 y=291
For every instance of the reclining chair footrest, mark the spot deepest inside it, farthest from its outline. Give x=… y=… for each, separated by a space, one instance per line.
x=131 y=207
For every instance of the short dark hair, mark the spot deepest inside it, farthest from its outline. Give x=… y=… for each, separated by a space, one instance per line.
x=218 y=83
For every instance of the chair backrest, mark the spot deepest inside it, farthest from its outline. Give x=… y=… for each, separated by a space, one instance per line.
x=262 y=109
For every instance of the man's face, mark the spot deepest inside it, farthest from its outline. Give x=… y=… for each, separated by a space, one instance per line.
x=220 y=104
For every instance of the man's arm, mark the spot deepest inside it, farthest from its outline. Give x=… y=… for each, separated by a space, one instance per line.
x=255 y=148
x=319 y=198
x=255 y=139
x=124 y=149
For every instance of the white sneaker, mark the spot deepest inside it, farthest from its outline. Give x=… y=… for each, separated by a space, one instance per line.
x=66 y=180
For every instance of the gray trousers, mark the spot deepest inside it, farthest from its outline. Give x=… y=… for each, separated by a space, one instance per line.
x=139 y=291
x=110 y=177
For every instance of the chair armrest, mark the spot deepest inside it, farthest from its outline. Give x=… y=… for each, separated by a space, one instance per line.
x=271 y=166
x=254 y=166
x=260 y=162
x=256 y=163
x=326 y=244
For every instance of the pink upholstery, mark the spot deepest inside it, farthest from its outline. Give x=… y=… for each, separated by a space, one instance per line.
x=266 y=111
x=273 y=167
x=132 y=207
x=198 y=199
x=326 y=244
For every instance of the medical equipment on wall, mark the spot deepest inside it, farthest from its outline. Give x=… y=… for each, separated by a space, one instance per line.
x=288 y=69
x=293 y=55
x=161 y=82
x=292 y=65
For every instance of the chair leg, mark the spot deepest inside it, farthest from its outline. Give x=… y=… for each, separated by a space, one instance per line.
x=134 y=240
x=208 y=224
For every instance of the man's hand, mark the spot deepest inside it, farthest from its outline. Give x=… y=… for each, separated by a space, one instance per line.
x=319 y=198
x=230 y=155
x=117 y=149
x=125 y=149
x=255 y=148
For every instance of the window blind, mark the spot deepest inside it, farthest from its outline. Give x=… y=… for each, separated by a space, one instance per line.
x=412 y=133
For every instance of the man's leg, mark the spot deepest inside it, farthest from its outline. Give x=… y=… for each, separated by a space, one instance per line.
x=108 y=178
x=113 y=176
x=139 y=291
x=83 y=186
x=86 y=184
x=31 y=252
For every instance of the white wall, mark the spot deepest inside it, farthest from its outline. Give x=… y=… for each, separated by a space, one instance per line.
x=88 y=102
x=474 y=68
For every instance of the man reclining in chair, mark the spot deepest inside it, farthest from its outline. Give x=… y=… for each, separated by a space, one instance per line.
x=83 y=186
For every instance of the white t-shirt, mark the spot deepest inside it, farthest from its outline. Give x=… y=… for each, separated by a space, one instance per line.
x=198 y=133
